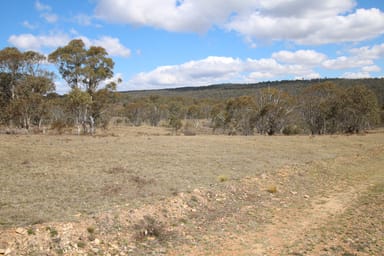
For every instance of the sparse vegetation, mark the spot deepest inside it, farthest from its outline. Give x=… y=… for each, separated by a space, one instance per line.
x=52 y=231
x=143 y=192
x=149 y=227
x=223 y=178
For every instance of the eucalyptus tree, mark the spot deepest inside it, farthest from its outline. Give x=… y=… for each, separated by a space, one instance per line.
x=274 y=109
x=85 y=70
x=320 y=106
x=359 y=109
x=24 y=83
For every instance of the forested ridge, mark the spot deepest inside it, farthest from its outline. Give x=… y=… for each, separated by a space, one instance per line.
x=321 y=106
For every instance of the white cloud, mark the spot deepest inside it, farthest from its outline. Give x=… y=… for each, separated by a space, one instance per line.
x=42 y=7
x=300 y=21
x=113 y=46
x=193 y=73
x=373 y=68
x=32 y=42
x=345 y=62
x=358 y=26
x=369 y=52
x=304 y=57
x=37 y=43
x=83 y=20
x=50 y=17
x=28 y=25
x=215 y=69
x=197 y=15
x=356 y=75
x=46 y=13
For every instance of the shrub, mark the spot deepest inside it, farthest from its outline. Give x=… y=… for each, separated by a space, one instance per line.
x=149 y=227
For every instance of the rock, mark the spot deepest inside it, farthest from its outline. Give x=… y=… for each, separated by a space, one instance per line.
x=21 y=231
x=97 y=241
x=293 y=192
x=5 y=251
x=306 y=196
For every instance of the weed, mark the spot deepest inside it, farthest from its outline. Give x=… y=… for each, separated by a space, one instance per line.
x=81 y=244
x=91 y=233
x=31 y=231
x=91 y=230
x=52 y=231
x=223 y=178
x=149 y=227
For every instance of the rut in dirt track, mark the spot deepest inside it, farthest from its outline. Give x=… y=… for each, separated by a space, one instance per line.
x=296 y=227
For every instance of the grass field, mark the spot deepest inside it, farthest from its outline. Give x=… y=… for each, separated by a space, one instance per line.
x=59 y=179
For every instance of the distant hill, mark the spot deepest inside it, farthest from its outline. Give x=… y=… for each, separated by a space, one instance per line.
x=224 y=91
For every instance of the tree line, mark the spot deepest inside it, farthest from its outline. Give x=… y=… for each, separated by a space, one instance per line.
x=322 y=108
x=28 y=100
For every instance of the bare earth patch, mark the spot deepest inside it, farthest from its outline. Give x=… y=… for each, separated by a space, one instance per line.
x=153 y=194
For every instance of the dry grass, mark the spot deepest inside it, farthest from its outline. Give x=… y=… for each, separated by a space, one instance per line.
x=56 y=178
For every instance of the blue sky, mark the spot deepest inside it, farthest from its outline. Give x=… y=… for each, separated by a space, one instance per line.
x=175 y=43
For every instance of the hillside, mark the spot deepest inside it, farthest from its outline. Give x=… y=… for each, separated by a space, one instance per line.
x=224 y=91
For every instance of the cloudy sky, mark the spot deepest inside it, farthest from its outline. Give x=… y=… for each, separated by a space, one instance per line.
x=175 y=43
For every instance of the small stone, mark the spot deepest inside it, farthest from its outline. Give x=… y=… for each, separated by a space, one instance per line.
x=5 y=251
x=306 y=196
x=293 y=192
x=95 y=250
x=97 y=241
x=21 y=231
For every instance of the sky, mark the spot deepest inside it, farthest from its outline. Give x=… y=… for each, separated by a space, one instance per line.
x=159 y=44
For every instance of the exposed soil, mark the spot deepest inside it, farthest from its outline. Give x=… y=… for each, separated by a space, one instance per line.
x=328 y=204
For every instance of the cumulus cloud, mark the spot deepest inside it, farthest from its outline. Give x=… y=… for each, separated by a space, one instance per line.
x=113 y=46
x=356 y=75
x=373 y=68
x=300 y=64
x=33 y=42
x=300 y=21
x=357 y=26
x=193 y=73
x=216 y=69
x=345 y=62
x=369 y=52
x=305 y=57
x=185 y=15
x=37 y=43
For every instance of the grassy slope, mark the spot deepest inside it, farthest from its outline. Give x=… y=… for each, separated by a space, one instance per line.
x=224 y=91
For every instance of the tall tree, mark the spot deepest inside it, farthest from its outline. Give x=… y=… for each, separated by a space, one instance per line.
x=240 y=113
x=85 y=70
x=274 y=108
x=11 y=63
x=319 y=107
x=70 y=61
x=23 y=86
x=359 y=109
